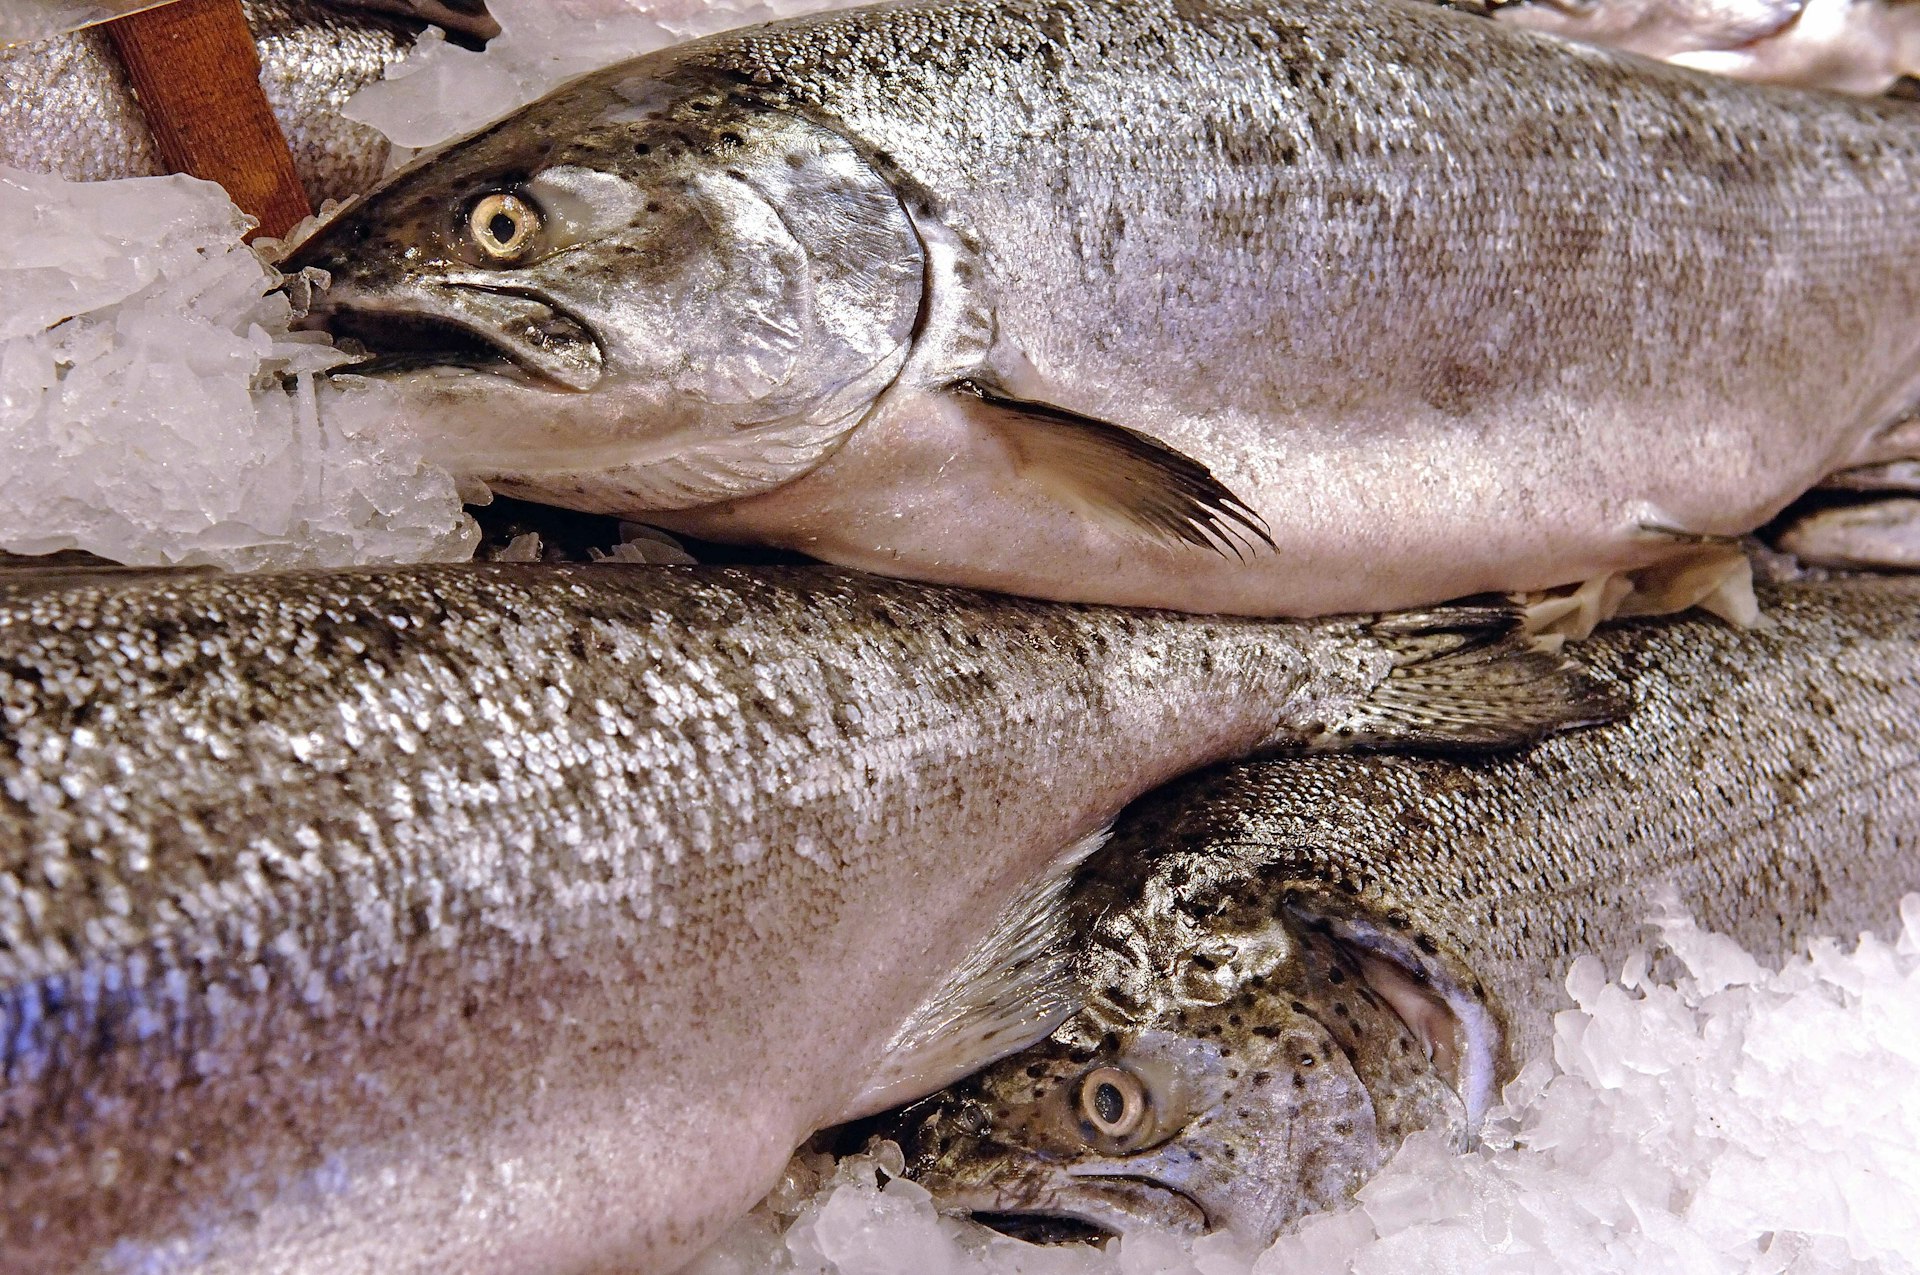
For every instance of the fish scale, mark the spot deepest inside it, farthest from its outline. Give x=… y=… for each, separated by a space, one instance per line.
x=381 y=920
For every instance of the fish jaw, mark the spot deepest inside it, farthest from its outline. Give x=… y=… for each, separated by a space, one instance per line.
x=731 y=287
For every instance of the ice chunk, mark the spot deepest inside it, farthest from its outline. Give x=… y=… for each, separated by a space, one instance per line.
x=155 y=409
x=1738 y=1120
x=442 y=91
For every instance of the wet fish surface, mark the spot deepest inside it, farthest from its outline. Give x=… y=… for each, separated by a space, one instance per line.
x=524 y=919
x=1289 y=965
x=1851 y=46
x=1242 y=307
x=68 y=106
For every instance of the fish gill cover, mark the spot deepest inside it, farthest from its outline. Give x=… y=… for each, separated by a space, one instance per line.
x=1700 y=1113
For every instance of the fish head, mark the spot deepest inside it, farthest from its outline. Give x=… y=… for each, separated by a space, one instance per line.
x=1264 y=1073
x=655 y=284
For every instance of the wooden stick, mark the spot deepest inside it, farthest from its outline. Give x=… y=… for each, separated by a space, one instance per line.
x=197 y=75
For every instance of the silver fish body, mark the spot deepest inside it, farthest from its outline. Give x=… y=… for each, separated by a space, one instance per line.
x=68 y=106
x=524 y=919
x=1260 y=306
x=1289 y=965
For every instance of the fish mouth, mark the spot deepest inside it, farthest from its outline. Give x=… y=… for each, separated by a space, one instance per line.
x=488 y=328
x=1076 y=1206
x=1044 y=1228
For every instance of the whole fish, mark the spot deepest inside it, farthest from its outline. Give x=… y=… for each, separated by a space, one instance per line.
x=1289 y=965
x=524 y=919
x=68 y=107
x=1256 y=306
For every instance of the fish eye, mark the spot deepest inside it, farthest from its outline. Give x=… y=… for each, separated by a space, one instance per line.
x=1113 y=1102
x=503 y=225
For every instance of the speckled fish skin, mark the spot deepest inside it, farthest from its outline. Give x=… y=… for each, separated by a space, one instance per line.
x=524 y=919
x=1771 y=777
x=1452 y=306
x=68 y=106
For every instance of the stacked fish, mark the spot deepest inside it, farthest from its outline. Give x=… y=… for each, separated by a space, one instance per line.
x=448 y=916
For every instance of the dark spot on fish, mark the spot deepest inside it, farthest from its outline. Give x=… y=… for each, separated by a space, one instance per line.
x=1262 y=1077
x=1233 y=1020
x=1426 y=945
x=1336 y=976
x=653 y=205
x=1308 y=1060
x=1299 y=1007
x=700 y=108
x=796 y=160
x=732 y=139
x=1343 y=1128
x=643 y=148
x=1340 y=1008
x=1266 y=1031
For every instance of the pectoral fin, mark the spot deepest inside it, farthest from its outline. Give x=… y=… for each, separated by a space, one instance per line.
x=1875 y=535
x=1115 y=475
x=1010 y=991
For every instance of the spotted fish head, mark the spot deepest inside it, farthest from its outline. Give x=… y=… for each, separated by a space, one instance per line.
x=1241 y=1067
x=653 y=284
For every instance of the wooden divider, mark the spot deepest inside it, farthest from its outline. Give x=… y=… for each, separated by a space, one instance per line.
x=196 y=73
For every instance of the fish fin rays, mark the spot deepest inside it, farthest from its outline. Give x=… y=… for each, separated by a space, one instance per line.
x=1013 y=988
x=1872 y=535
x=1474 y=688
x=1898 y=440
x=1115 y=475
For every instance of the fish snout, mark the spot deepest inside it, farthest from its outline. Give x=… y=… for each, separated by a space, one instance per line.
x=509 y=331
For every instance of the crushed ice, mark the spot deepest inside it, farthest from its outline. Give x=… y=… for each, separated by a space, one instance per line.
x=1731 y=1118
x=442 y=91
x=155 y=409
